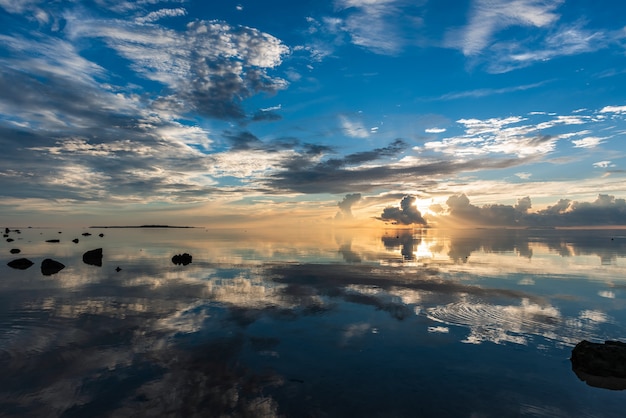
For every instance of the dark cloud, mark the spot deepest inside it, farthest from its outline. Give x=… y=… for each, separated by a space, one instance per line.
x=266 y=116
x=243 y=140
x=406 y=214
x=345 y=206
x=605 y=210
x=460 y=207
x=336 y=175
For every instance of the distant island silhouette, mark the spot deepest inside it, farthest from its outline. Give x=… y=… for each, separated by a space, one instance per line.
x=140 y=226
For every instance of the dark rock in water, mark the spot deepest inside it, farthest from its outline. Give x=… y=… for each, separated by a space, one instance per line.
x=10 y=240
x=86 y=234
x=7 y=230
x=93 y=257
x=600 y=365
x=75 y=240
x=50 y=267
x=100 y=235
x=20 y=263
x=5 y=235
x=183 y=259
x=118 y=269
x=53 y=240
x=15 y=251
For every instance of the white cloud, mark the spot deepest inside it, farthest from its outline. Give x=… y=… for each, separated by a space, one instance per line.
x=210 y=67
x=530 y=136
x=246 y=163
x=160 y=14
x=613 y=109
x=588 y=142
x=271 y=108
x=434 y=130
x=524 y=175
x=603 y=164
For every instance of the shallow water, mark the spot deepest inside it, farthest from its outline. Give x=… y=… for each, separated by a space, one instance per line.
x=473 y=323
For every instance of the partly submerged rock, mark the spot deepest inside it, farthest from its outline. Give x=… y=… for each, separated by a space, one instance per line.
x=600 y=365
x=15 y=251
x=75 y=240
x=53 y=240
x=93 y=257
x=50 y=267
x=86 y=234
x=20 y=263
x=183 y=259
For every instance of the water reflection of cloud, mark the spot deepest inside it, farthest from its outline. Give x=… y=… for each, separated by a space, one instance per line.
x=354 y=331
x=439 y=330
x=172 y=338
x=499 y=323
x=594 y=316
x=609 y=294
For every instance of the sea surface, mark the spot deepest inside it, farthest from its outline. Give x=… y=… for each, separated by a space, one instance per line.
x=309 y=323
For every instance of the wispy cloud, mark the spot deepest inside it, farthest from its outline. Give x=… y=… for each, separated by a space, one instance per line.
x=487 y=17
x=603 y=164
x=160 y=14
x=381 y=26
x=353 y=128
x=490 y=91
x=613 y=109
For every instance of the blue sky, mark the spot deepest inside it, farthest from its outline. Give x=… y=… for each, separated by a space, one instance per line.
x=193 y=112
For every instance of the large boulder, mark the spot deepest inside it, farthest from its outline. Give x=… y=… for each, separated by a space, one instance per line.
x=50 y=267
x=93 y=257
x=600 y=365
x=20 y=263
x=183 y=259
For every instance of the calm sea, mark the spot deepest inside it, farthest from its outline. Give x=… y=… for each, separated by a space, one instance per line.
x=328 y=323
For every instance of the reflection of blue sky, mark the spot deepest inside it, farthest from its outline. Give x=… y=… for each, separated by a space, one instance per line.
x=302 y=310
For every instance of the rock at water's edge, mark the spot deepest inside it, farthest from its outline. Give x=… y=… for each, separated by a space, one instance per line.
x=183 y=259
x=20 y=263
x=93 y=257
x=601 y=365
x=50 y=267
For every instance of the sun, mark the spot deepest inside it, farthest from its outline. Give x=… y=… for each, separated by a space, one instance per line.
x=423 y=205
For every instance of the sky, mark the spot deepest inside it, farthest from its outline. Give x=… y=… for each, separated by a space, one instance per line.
x=423 y=112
